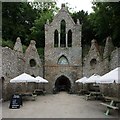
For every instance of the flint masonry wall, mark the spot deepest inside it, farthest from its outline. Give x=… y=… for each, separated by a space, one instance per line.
x=9 y=69
x=73 y=54
x=93 y=63
x=33 y=64
x=14 y=62
x=115 y=58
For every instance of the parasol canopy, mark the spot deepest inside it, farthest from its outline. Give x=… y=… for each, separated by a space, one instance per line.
x=23 y=78
x=112 y=76
x=82 y=80
x=93 y=79
x=40 y=80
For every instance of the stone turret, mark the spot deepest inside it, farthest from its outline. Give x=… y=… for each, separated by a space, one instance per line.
x=18 y=45
x=108 y=47
x=33 y=64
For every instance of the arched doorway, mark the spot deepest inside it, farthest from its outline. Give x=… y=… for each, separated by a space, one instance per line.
x=63 y=84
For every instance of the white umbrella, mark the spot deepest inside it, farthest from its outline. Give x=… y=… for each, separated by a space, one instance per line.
x=82 y=80
x=112 y=76
x=40 y=80
x=23 y=78
x=93 y=79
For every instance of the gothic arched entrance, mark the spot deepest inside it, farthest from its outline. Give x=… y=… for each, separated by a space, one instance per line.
x=63 y=84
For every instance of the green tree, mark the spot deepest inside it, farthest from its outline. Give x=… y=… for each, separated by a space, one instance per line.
x=46 y=11
x=87 y=29
x=106 y=21
x=17 y=19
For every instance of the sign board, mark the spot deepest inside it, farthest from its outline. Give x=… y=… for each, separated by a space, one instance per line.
x=16 y=101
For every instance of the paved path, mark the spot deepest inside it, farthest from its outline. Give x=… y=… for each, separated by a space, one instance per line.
x=60 y=105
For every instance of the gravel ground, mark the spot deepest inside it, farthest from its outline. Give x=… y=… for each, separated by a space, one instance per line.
x=61 y=105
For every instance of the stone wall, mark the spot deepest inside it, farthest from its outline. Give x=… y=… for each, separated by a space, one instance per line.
x=114 y=59
x=112 y=90
x=9 y=68
x=33 y=64
x=92 y=63
x=58 y=71
x=14 y=63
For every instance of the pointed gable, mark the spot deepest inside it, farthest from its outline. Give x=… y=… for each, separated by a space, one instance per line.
x=63 y=14
x=108 y=47
x=18 y=45
x=33 y=64
x=94 y=50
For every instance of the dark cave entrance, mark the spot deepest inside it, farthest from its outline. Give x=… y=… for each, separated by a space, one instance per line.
x=62 y=84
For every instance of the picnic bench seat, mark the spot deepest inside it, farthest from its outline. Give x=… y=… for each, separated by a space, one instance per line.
x=39 y=92
x=26 y=95
x=110 y=106
x=95 y=95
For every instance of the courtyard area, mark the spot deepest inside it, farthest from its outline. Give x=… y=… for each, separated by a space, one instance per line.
x=61 y=105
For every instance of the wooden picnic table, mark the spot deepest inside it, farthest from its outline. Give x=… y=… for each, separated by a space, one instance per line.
x=111 y=105
x=39 y=91
x=27 y=94
x=94 y=94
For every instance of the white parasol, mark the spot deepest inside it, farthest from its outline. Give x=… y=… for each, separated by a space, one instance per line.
x=112 y=76
x=82 y=80
x=93 y=79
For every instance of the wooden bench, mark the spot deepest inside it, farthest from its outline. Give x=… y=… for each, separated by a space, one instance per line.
x=109 y=106
x=93 y=95
x=29 y=95
x=39 y=92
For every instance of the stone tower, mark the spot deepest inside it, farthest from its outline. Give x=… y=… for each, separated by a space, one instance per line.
x=63 y=51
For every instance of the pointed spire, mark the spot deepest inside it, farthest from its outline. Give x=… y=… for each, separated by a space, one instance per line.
x=94 y=45
x=108 y=47
x=63 y=5
x=31 y=46
x=18 y=45
x=47 y=22
x=78 y=22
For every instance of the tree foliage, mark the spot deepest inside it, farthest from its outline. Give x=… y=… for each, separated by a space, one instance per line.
x=46 y=12
x=106 y=21
x=18 y=18
x=87 y=29
x=27 y=20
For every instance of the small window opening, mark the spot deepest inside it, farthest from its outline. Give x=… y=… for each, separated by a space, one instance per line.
x=32 y=63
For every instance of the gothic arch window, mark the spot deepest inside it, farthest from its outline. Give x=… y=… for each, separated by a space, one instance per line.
x=32 y=63
x=63 y=34
x=93 y=63
x=63 y=60
x=56 y=38
x=69 y=38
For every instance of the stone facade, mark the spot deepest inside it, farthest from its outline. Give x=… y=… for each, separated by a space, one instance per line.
x=73 y=54
x=63 y=58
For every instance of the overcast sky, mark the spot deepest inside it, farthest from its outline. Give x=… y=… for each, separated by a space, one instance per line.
x=77 y=5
